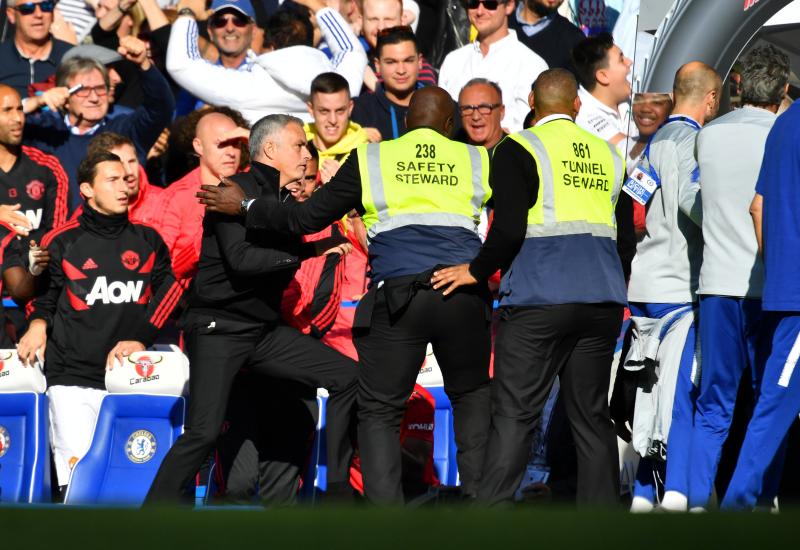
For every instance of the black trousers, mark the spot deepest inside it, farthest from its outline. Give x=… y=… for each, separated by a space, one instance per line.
x=391 y=353
x=533 y=346
x=217 y=349
x=267 y=440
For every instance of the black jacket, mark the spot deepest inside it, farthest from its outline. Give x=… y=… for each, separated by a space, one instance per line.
x=109 y=280
x=554 y=43
x=376 y=111
x=243 y=272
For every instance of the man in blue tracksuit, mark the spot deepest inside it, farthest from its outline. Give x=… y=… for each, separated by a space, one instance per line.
x=776 y=215
x=733 y=331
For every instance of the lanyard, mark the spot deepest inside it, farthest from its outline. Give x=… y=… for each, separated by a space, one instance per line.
x=395 y=131
x=676 y=118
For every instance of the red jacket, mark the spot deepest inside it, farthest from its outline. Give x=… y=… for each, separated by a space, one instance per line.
x=181 y=224
x=313 y=301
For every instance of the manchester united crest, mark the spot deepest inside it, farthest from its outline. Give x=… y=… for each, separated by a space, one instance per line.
x=35 y=189
x=130 y=259
x=5 y=441
x=141 y=446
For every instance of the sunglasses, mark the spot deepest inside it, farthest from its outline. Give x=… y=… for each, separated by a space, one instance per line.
x=483 y=109
x=30 y=7
x=490 y=5
x=238 y=20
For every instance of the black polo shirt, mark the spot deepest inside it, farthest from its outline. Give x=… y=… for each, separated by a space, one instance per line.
x=18 y=71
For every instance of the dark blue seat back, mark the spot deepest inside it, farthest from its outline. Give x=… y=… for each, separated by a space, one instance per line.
x=444 y=440
x=24 y=448
x=132 y=436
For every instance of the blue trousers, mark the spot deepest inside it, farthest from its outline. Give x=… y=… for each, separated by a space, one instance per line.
x=675 y=473
x=733 y=336
x=777 y=406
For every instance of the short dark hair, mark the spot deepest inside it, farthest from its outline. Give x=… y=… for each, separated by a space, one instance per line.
x=589 y=56
x=287 y=27
x=107 y=141
x=312 y=149
x=765 y=72
x=329 y=83
x=395 y=35
x=87 y=169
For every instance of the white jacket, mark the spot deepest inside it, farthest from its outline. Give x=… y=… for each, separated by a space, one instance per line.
x=275 y=82
x=657 y=346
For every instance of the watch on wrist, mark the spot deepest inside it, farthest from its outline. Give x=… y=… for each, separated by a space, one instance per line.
x=186 y=11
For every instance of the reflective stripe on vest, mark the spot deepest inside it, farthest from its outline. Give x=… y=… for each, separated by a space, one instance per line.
x=543 y=218
x=462 y=208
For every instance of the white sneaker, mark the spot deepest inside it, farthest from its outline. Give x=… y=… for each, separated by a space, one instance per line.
x=641 y=505
x=674 y=501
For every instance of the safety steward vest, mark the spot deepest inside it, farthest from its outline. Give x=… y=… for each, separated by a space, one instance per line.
x=422 y=178
x=569 y=254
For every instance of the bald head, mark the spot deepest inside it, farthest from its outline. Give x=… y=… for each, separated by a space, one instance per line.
x=12 y=119
x=218 y=156
x=555 y=92
x=697 y=90
x=693 y=81
x=431 y=107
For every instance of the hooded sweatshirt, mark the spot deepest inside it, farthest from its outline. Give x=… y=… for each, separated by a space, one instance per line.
x=353 y=137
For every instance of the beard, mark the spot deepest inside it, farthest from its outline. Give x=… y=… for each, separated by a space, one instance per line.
x=540 y=9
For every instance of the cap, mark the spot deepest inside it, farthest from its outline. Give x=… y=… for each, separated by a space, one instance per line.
x=92 y=51
x=242 y=6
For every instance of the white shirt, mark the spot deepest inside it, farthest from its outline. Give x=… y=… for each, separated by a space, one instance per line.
x=509 y=63
x=275 y=82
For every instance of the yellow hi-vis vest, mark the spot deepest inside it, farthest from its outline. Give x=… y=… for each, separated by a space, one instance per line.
x=569 y=254
x=422 y=178
x=580 y=177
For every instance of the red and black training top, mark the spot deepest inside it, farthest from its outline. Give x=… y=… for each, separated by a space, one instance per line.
x=109 y=280
x=38 y=183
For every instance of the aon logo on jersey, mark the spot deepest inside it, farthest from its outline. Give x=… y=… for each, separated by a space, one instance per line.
x=115 y=292
x=35 y=217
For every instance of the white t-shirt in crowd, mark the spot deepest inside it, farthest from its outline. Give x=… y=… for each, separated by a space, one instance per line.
x=509 y=63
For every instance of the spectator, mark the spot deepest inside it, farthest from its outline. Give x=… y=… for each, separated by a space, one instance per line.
x=145 y=201
x=83 y=330
x=649 y=112
x=87 y=108
x=182 y=218
x=602 y=71
x=278 y=81
x=332 y=132
x=545 y=31
x=33 y=185
x=734 y=333
x=32 y=55
x=397 y=57
x=111 y=60
x=380 y=15
x=497 y=55
x=480 y=104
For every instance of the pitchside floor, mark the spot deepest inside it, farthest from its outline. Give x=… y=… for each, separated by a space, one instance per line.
x=31 y=528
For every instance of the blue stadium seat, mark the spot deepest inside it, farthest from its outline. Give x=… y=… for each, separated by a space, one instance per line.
x=316 y=477
x=444 y=440
x=24 y=448
x=131 y=438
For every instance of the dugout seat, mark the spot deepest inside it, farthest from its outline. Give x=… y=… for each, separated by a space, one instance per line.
x=316 y=476
x=139 y=421
x=444 y=440
x=24 y=425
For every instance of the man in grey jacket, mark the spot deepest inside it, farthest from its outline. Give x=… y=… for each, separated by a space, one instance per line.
x=665 y=269
x=733 y=331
